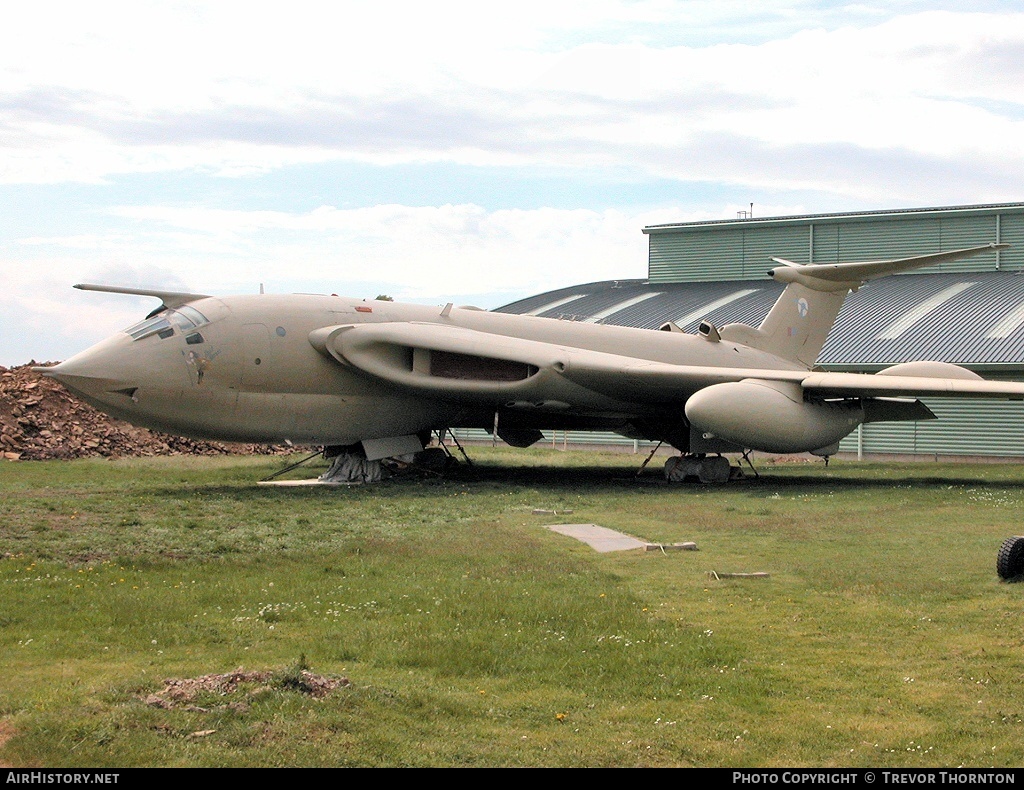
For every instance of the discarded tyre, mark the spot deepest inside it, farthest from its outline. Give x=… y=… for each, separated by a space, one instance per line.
x=1010 y=562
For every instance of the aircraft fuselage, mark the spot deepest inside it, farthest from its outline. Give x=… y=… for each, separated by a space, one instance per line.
x=251 y=373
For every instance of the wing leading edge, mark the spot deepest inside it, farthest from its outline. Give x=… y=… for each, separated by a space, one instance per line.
x=451 y=362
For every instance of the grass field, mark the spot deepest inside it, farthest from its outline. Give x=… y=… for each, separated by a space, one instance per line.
x=472 y=636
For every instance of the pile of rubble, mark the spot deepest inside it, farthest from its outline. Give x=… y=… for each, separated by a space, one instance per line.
x=40 y=420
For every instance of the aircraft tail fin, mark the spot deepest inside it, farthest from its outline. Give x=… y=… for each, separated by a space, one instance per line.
x=799 y=322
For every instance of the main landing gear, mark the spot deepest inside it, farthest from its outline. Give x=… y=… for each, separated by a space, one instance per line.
x=703 y=468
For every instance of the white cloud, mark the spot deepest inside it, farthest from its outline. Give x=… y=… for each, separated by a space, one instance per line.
x=441 y=251
x=152 y=87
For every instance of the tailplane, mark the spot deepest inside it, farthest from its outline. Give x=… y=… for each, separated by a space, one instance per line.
x=799 y=322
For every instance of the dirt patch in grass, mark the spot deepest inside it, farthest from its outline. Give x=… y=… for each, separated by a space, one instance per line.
x=189 y=691
x=6 y=733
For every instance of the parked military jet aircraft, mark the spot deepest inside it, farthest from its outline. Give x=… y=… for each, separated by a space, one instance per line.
x=325 y=370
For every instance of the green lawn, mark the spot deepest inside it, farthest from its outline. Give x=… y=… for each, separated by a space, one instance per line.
x=473 y=636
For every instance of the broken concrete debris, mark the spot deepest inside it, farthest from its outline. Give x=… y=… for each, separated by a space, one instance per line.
x=40 y=420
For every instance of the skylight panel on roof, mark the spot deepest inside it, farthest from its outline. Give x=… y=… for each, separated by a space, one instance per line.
x=552 y=305
x=1008 y=325
x=914 y=315
x=615 y=308
x=702 y=312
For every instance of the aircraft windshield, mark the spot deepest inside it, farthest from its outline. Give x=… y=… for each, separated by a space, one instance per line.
x=185 y=318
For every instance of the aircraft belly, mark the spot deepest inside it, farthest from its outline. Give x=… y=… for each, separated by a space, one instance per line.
x=331 y=419
x=275 y=418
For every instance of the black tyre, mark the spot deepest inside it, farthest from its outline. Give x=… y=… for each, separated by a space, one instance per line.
x=1010 y=562
x=435 y=459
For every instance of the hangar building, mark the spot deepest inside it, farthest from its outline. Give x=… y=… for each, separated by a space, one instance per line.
x=969 y=312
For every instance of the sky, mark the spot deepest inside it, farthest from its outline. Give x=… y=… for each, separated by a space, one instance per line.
x=462 y=151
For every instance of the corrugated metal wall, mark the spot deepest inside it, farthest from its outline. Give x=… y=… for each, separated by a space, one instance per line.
x=742 y=249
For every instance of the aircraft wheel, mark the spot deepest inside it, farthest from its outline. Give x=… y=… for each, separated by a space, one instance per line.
x=715 y=469
x=435 y=459
x=1010 y=562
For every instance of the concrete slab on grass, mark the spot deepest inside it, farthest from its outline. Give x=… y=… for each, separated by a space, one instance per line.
x=598 y=538
x=313 y=481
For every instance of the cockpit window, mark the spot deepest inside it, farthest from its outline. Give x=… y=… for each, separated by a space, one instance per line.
x=186 y=318
x=163 y=323
x=150 y=326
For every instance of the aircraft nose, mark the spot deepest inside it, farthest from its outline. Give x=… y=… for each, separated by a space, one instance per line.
x=77 y=378
x=95 y=374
